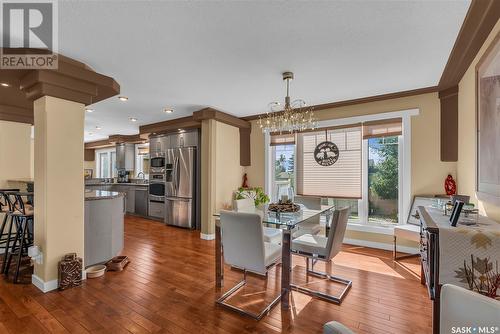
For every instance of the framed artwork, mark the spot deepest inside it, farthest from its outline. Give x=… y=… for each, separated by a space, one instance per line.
x=427 y=201
x=87 y=173
x=488 y=120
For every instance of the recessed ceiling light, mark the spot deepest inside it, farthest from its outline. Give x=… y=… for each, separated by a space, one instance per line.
x=132 y=119
x=168 y=110
x=123 y=98
x=89 y=110
x=4 y=84
x=98 y=127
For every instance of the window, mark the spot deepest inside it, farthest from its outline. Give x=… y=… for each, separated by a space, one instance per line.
x=371 y=175
x=283 y=171
x=106 y=163
x=142 y=160
x=383 y=179
x=342 y=179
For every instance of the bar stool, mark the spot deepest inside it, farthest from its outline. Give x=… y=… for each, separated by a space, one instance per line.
x=22 y=215
x=6 y=237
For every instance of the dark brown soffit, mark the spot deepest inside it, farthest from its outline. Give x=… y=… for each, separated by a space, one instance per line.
x=169 y=126
x=478 y=23
x=210 y=113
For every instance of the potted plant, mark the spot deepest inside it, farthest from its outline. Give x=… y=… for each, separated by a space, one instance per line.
x=257 y=194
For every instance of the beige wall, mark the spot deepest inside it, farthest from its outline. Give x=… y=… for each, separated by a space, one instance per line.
x=91 y=165
x=229 y=173
x=59 y=190
x=466 y=166
x=427 y=170
x=221 y=170
x=15 y=148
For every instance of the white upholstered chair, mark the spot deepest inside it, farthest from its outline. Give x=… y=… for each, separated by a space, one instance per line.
x=318 y=247
x=245 y=248
x=461 y=308
x=271 y=234
x=311 y=225
x=405 y=231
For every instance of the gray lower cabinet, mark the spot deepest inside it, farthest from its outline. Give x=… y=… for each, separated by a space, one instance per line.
x=141 y=201
x=103 y=229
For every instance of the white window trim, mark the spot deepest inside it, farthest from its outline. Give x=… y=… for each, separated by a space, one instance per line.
x=98 y=162
x=404 y=162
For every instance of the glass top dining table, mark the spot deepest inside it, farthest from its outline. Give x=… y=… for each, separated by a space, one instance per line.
x=287 y=220
x=284 y=221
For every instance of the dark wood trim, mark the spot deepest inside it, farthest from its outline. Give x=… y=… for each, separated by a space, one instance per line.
x=245 y=151
x=478 y=23
x=89 y=154
x=368 y=99
x=72 y=80
x=449 y=124
x=118 y=139
x=172 y=125
x=16 y=114
x=98 y=144
x=210 y=113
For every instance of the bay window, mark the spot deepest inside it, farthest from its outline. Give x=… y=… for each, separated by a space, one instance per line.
x=371 y=159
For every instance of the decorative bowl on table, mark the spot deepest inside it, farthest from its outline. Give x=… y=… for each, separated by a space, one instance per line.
x=284 y=207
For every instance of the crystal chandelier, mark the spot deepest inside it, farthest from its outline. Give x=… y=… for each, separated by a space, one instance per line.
x=294 y=116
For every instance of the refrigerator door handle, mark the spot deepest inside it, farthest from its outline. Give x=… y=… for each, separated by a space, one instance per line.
x=177 y=176
x=174 y=175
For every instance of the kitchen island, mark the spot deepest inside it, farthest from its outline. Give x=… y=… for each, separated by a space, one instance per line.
x=104 y=214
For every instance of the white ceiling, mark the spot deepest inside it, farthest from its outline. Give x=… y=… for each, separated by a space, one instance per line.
x=230 y=54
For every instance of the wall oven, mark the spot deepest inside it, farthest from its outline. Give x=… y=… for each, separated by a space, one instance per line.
x=157 y=187
x=157 y=163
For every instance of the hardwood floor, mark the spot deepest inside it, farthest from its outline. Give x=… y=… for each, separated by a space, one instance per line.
x=169 y=288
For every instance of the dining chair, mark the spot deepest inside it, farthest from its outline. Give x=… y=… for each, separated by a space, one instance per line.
x=271 y=234
x=311 y=225
x=318 y=247
x=245 y=248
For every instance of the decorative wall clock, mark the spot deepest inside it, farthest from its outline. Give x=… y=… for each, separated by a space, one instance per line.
x=326 y=153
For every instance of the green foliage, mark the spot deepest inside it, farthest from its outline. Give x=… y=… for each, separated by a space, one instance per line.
x=385 y=179
x=279 y=166
x=257 y=194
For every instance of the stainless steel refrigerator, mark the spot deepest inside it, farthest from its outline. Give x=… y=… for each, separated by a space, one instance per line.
x=180 y=185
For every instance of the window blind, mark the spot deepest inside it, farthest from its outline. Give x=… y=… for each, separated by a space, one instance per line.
x=382 y=128
x=283 y=139
x=340 y=180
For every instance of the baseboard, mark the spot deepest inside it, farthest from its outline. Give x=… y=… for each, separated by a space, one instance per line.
x=207 y=236
x=50 y=285
x=43 y=286
x=381 y=245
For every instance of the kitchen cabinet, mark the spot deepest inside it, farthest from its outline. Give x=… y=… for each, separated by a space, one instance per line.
x=141 y=201
x=158 y=144
x=184 y=139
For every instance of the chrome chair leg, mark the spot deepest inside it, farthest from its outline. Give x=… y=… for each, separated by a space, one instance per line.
x=258 y=316
x=331 y=298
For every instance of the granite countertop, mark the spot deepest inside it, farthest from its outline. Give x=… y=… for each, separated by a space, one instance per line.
x=91 y=195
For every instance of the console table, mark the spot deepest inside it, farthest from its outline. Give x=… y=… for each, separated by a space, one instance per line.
x=444 y=249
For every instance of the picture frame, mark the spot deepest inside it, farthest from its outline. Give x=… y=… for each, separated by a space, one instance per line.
x=488 y=137
x=427 y=201
x=88 y=173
